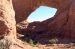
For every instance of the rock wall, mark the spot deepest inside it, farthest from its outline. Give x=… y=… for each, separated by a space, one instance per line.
x=62 y=24
x=8 y=38
x=7 y=19
x=7 y=24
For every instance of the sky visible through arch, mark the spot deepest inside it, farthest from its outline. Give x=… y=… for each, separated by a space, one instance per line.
x=42 y=13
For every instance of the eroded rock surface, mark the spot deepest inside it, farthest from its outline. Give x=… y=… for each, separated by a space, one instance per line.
x=8 y=32
x=24 y=7
x=61 y=25
x=7 y=18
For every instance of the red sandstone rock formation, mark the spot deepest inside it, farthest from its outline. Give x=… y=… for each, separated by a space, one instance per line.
x=7 y=19
x=8 y=36
x=24 y=7
x=62 y=22
x=8 y=26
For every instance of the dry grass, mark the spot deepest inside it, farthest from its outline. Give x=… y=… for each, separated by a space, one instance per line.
x=4 y=44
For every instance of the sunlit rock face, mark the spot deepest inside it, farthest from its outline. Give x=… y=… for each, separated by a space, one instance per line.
x=7 y=19
x=61 y=24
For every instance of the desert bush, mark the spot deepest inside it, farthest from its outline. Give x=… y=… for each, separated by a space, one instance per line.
x=4 y=44
x=53 y=41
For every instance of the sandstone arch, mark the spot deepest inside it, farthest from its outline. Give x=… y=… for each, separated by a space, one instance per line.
x=61 y=22
x=24 y=7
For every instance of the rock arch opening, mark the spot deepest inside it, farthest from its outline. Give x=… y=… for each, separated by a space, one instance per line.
x=42 y=13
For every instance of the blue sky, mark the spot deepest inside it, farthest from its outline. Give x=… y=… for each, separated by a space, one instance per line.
x=42 y=13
